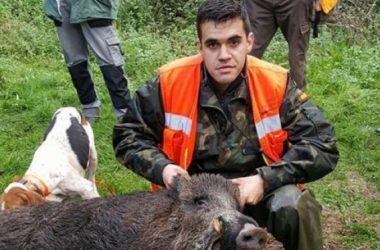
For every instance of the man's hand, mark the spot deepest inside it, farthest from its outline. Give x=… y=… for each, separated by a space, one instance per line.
x=170 y=171
x=251 y=189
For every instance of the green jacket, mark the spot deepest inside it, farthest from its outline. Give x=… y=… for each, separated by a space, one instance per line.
x=83 y=10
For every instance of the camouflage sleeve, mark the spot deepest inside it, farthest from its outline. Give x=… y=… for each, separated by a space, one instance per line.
x=311 y=150
x=137 y=136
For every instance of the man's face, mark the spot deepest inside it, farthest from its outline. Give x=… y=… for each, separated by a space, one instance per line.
x=224 y=47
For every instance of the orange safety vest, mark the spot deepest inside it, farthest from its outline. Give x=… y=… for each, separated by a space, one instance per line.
x=180 y=83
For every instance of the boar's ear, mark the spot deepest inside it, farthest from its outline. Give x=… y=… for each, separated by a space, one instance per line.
x=179 y=182
x=176 y=182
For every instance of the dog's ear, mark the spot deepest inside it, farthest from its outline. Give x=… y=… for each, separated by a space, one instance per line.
x=83 y=120
x=56 y=113
x=18 y=197
x=34 y=198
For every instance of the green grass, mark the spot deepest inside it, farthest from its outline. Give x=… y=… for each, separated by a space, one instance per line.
x=344 y=81
x=30 y=92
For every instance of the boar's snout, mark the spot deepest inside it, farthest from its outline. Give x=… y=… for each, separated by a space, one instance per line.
x=239 y=232
x=251 y=237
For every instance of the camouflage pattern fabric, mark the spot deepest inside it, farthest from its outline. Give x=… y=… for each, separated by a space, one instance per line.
x=227 y=141
x=226 y=136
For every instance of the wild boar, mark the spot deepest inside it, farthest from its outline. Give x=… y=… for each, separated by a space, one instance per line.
x=201 y=213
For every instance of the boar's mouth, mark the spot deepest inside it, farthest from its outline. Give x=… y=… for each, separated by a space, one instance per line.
x=210 y=237
x=217 y=225
x=211 y=244
x=215 y=245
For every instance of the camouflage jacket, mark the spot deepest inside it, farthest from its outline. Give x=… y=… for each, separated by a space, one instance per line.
x=226 y=140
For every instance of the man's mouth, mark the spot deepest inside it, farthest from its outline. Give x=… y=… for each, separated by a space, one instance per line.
x=225 y=69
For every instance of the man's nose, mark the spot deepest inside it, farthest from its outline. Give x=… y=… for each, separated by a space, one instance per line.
x=224 y=53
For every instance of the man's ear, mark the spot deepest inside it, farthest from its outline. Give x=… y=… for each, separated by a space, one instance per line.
x=250 y=41
x=199 y=45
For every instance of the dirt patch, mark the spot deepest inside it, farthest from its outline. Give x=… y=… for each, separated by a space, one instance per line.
x=333 y=226
x=334 y=221
x=359 y=186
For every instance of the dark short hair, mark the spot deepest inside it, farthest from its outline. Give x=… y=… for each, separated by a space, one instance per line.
x=220 y=11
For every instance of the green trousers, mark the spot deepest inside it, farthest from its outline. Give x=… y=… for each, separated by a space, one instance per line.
x=292 y=216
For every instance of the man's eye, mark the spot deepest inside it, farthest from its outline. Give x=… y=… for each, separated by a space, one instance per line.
x=212 y=45
x=235 y=42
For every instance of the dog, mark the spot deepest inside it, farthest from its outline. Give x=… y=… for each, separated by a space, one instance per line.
x=58 y=168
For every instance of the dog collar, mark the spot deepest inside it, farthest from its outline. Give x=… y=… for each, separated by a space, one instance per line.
x=34 y=183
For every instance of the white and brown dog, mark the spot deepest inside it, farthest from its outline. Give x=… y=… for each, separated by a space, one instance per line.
x=58 y=167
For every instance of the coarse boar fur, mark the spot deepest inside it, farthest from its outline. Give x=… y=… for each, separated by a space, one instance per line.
x=201 y=213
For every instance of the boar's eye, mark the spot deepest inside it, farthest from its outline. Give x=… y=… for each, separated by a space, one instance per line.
x=201 y=201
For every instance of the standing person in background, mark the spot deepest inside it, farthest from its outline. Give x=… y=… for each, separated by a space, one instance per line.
x=88 y=23
x=225 y=112
x=294 y=17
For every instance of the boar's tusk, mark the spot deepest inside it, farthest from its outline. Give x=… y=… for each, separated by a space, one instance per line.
x=217 y=225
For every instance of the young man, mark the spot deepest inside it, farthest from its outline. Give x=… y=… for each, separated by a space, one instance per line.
x=225 y=112
x=81 y=24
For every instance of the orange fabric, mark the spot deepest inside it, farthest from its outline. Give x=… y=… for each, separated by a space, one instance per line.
x=180 y=84
x=267 y=85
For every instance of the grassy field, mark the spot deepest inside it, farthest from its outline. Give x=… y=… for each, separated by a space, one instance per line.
x=344 y=81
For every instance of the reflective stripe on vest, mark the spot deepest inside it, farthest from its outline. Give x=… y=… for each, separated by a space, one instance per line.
x=268 y=125
x=178 y=122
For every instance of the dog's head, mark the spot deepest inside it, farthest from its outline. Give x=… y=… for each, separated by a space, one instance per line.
x=18 y=196
x=65 y=116
x=70 y=112
x=67 y=113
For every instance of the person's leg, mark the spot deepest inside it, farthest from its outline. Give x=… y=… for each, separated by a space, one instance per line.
x=263 y=24
x=292 y=216
x=104 y=42
x=294 y=19
x=310 y=227
x=75 y=51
